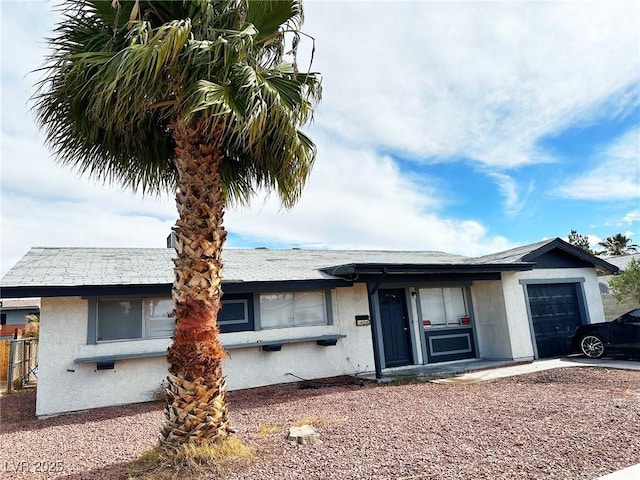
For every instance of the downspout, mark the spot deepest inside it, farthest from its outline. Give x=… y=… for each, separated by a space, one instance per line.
x=374 y=330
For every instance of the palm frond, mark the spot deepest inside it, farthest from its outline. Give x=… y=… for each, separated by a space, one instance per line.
x=118 y=78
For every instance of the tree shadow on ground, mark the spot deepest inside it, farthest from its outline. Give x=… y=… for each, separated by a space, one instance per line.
x=116 y=471
x=18 y=413
x=17 y=410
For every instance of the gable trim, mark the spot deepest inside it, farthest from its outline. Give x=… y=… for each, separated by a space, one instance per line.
x=566 y=247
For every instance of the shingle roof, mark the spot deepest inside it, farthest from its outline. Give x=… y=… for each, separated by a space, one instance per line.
x=622 y=261
x=91 y=266
x=78 y=267
x=136 y=266
x=533 y=251
x=512 y=255
x=20 y=303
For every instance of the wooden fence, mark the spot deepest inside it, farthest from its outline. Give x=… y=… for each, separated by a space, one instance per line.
x=4 y=359
x=21 y=363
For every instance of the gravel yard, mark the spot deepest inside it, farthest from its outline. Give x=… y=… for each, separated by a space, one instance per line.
x=569 y=423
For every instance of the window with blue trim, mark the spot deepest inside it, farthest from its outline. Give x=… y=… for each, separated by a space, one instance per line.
x=442 y=307
x=293 y=309
x=133 y=319
x=147 y=318
x=119 y=319
x=236 y=314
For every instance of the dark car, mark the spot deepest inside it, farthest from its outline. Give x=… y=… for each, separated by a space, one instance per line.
x=620 y=336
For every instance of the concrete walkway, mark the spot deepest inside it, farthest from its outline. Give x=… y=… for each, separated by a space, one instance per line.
x=537 y=366
x=478 y=370
x=631 y=473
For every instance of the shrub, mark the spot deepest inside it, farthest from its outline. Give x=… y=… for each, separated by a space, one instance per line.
x=626 y=286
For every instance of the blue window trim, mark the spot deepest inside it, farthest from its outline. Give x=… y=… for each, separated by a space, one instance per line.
x=92 y=324
x=251 y=300
x=246 y=326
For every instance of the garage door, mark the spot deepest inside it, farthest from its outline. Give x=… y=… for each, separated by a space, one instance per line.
x=555 y=313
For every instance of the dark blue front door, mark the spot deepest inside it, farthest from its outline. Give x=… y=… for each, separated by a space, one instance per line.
x=396 y=337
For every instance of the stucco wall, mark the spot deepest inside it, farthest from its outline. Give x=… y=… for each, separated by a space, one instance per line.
x=612 y=307
x=491 y=326
x=252 y=367
x=65 y=386
x=521 y=335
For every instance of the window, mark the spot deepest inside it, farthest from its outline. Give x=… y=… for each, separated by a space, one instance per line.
x=147 y=318
x=134 y=319
x=137 y=319
x=442 y=307
x=158 y=323
x=236 y=314
x=293 y=309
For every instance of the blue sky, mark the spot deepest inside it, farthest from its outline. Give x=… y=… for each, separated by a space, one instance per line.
x=467 y=127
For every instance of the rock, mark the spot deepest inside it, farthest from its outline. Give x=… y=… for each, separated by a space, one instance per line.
x=304 y=435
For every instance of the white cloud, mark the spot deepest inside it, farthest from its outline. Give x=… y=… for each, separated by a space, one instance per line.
x=436 y=80
x=356 y=199
x=515 y=197
x=29 y=222
x=482 y=80
x=631 y=217
x=594 y=241
x=614 y=176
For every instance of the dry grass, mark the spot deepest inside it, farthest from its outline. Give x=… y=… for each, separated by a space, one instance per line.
x=190 y=461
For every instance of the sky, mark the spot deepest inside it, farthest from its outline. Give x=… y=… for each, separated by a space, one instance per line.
x=464 y=127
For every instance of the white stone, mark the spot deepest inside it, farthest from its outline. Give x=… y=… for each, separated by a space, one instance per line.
x=304 y=435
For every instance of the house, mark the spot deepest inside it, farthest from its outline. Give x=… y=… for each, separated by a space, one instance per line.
x=14 y=313
x=292 y=314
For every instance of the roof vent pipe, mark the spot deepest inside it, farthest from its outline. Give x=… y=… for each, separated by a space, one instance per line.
x=172 y=240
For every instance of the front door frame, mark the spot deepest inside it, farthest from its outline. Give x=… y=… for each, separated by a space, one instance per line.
x=376 y=326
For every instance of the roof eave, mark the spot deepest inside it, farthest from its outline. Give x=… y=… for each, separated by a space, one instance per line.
x=423 y=269
x=164 y=289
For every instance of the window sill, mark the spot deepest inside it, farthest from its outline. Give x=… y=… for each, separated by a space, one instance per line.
x=445 y=327
x=276 y=345
x=267 y=346
x=122 y=356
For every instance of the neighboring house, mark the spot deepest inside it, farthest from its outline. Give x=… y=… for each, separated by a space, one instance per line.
x=13 y=314
x=292 y=314
x=613 y=308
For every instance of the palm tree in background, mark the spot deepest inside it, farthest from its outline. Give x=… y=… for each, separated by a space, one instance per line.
x=619 y=244
x=195 y=98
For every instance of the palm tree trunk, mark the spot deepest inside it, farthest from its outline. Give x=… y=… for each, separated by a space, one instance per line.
x=196 y=410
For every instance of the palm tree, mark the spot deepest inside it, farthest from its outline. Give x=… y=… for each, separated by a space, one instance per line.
x=619 y=244
x=193 y=97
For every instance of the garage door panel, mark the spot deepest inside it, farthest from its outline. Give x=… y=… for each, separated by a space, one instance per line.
x=555 y=314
